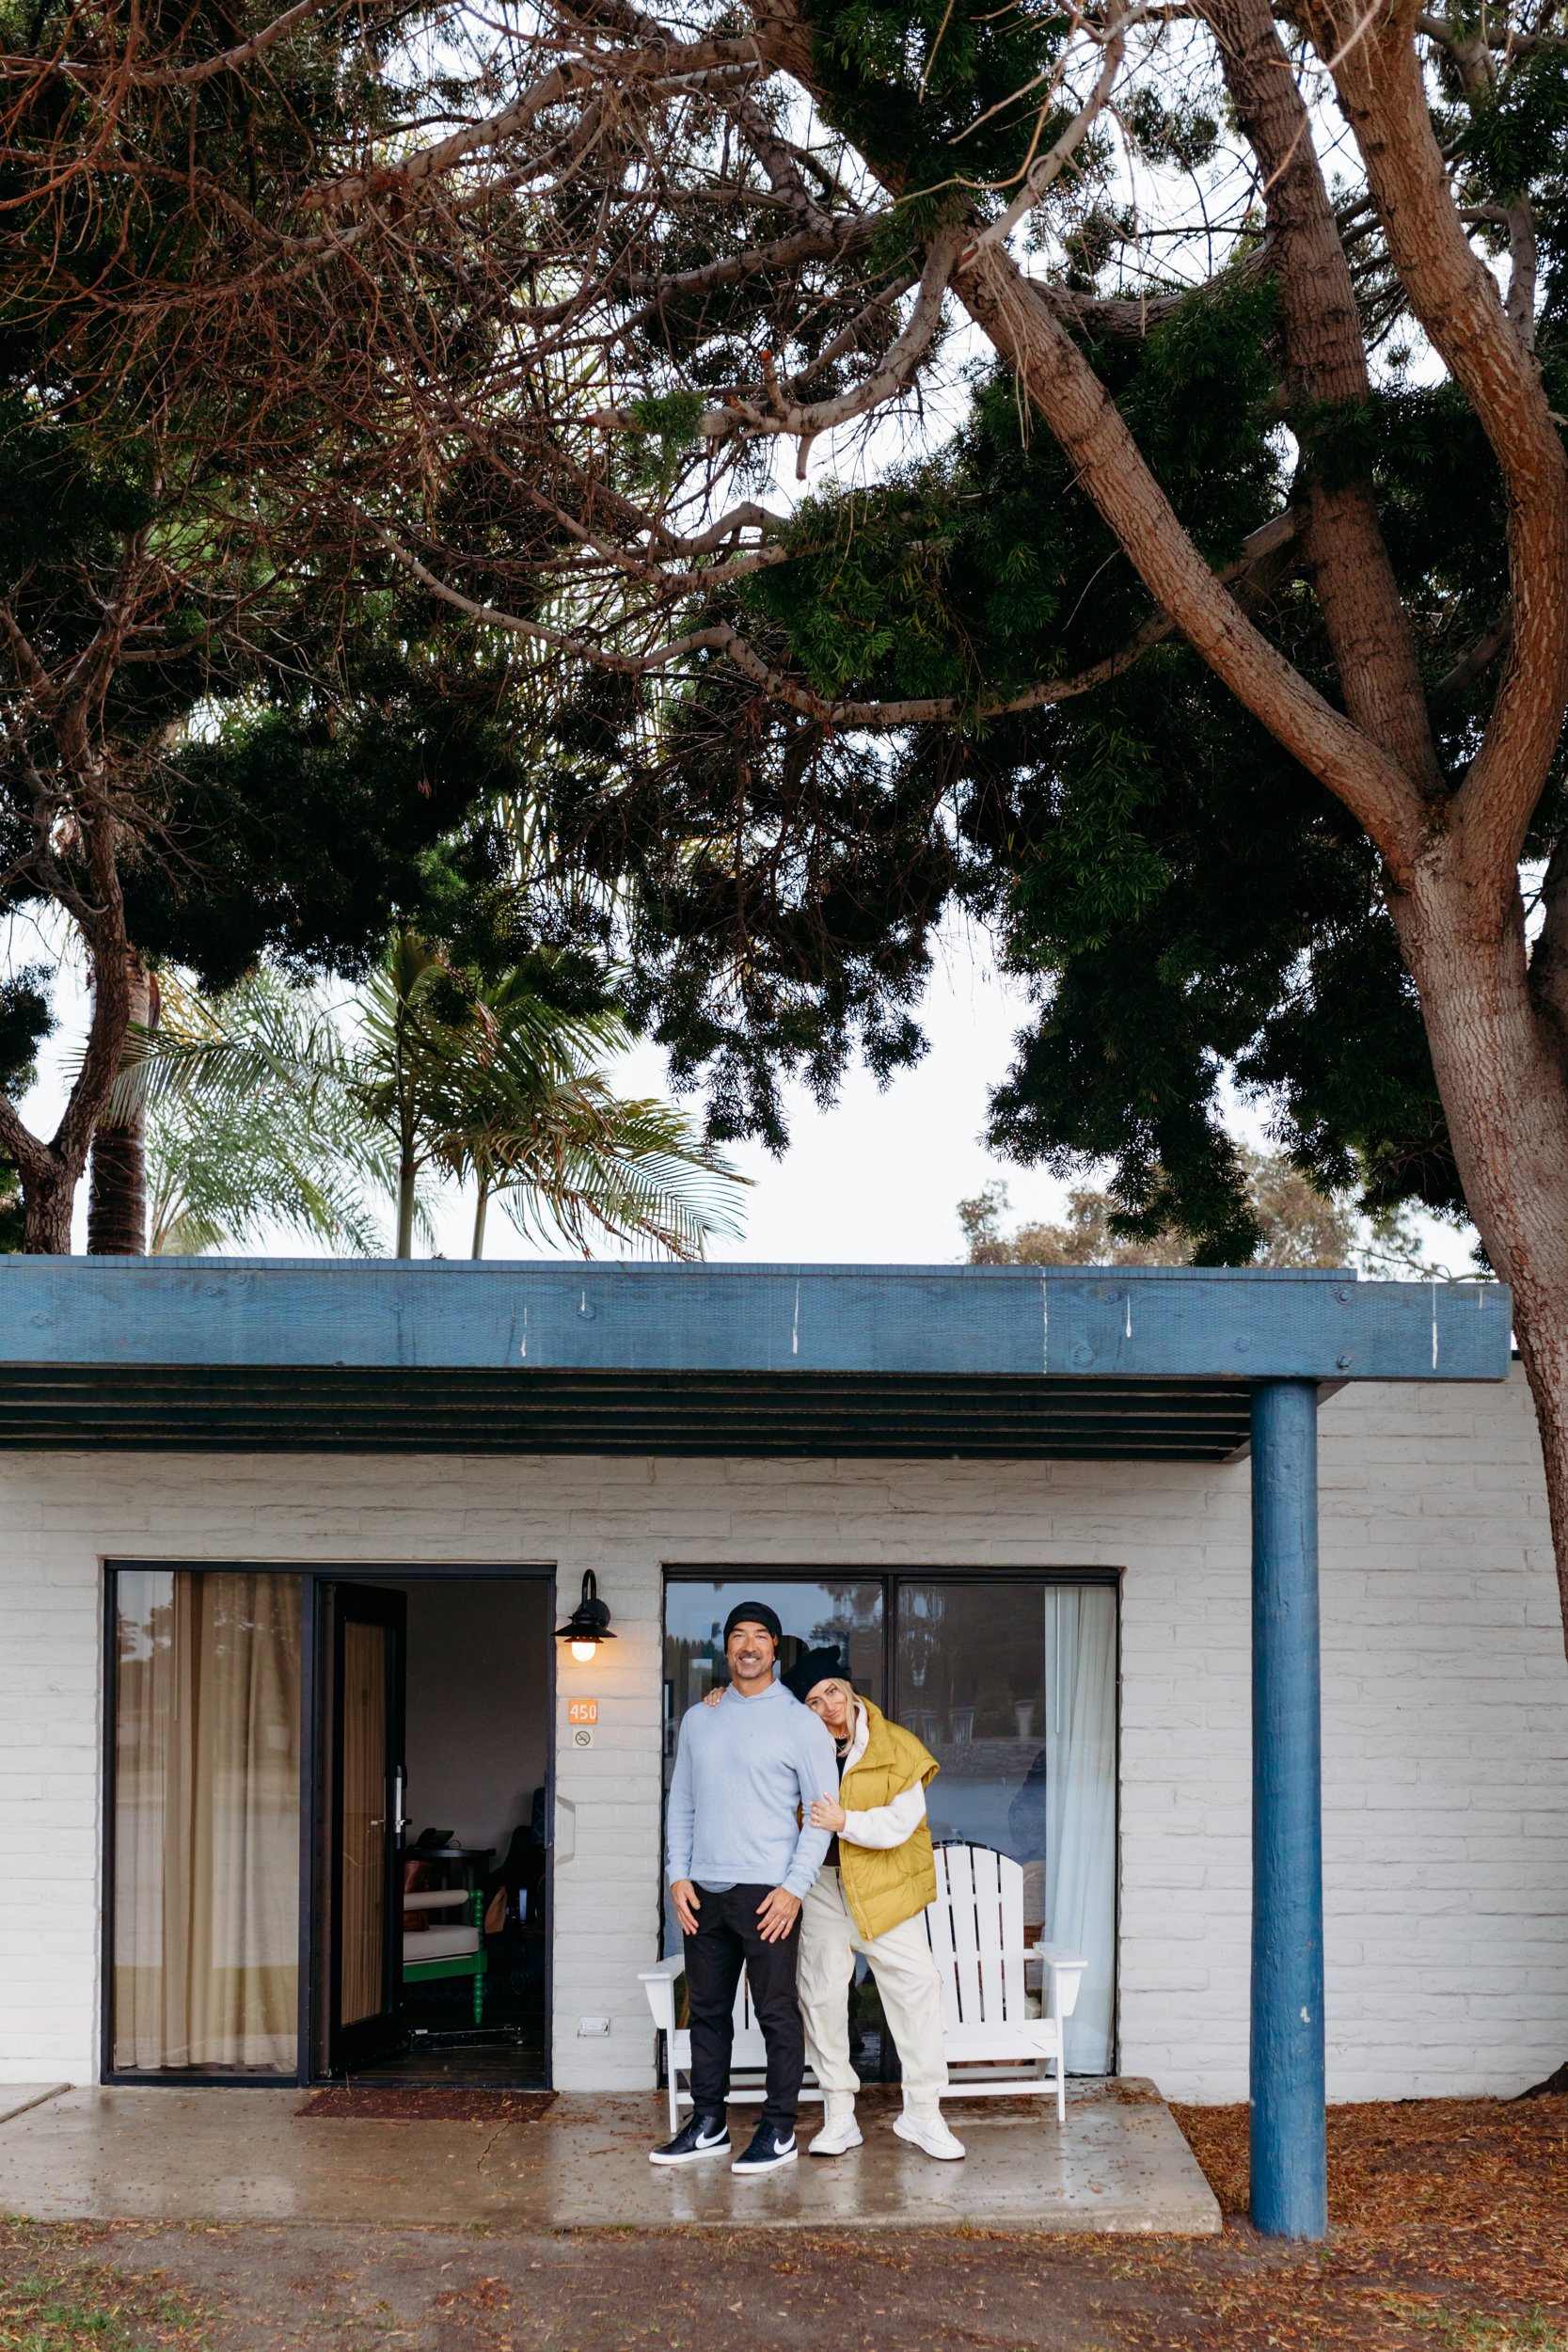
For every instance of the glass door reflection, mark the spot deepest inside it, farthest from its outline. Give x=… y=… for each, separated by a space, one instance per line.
x=847 y=1612
x=1011 y=1682
x=1012 y=1686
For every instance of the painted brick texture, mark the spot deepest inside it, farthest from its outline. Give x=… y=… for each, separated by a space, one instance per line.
x=1446 y=1709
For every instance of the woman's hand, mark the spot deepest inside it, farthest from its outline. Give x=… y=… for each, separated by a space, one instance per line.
x=711 y=1698
x=825 y=1813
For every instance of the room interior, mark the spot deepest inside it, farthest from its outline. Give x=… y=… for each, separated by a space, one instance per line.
x=475 y=1926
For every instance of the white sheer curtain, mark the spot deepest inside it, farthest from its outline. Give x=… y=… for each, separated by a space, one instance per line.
x=1080 y=1805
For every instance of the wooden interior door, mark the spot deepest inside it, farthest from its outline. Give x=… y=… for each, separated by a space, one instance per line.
x=369 y=1641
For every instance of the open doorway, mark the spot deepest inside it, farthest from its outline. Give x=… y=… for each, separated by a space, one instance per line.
x=436 y=1910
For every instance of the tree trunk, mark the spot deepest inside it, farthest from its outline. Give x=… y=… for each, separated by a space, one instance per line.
x=48 y=1201
x=478 y=1251
x=51 y=1170
x=1327 y=382
x=1505 y=1097
x=116 y=1191
x=407 y=1175
x=116 y=1197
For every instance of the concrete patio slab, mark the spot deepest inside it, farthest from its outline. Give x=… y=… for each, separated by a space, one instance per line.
x=16 y=2098
x=1120 y=2163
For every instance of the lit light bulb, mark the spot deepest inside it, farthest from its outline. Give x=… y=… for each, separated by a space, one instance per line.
x=584 y=1652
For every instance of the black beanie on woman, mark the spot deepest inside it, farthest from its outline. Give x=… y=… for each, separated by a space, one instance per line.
x=811 y=1667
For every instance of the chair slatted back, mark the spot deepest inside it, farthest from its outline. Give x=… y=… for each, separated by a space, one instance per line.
x=745 y=2024
x=976 y=1928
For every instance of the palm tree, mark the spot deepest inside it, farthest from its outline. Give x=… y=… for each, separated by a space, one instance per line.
x=269 y=1113
x=496 y=1086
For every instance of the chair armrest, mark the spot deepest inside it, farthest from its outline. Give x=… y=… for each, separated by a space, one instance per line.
x=659 y=1985
x=1065 y=1971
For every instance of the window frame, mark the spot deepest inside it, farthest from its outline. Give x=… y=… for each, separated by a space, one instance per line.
x=838 y=1571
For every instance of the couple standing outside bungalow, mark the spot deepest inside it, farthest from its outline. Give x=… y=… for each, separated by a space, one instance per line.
x=770 y=1871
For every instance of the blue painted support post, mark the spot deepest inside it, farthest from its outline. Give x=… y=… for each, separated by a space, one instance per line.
x=1289 y=2165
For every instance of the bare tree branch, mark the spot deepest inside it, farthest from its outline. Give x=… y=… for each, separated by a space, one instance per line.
x=1472 y=662
x=1257 y=569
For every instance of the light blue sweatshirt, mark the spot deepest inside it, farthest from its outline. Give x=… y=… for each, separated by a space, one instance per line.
x=740 y=1772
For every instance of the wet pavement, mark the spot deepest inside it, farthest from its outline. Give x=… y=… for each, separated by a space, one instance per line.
x=215 y=2155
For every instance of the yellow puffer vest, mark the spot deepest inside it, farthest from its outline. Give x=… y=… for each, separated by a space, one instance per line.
x=885 y=1886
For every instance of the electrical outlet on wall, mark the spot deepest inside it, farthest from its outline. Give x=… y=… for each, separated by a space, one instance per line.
x=593 y=2024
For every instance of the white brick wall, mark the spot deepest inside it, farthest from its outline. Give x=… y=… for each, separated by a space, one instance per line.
x=1445 y=1708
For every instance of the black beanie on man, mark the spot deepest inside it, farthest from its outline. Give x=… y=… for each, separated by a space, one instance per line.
x=753 y=1613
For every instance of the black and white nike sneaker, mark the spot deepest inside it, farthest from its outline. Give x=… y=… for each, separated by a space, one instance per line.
x=704 y=2136
x=766 y=2152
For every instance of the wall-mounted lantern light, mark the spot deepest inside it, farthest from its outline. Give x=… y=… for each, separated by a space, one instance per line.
x=589 y=1623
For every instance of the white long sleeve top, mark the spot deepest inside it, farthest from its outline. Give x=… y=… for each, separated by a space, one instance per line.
x=886 y=1824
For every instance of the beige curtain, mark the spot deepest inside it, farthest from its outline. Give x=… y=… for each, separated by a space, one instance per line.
x=207 y=1794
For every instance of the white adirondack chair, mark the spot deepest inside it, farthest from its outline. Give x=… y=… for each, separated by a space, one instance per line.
x=992 y=2022
x=989 y=2018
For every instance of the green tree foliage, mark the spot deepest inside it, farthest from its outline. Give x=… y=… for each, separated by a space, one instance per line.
x=228 y=1164
x=1201 y=626
x=1184 y=900
x=786 y=743
x=229 y=729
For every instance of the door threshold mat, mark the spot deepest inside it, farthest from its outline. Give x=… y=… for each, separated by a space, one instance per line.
x=422 y=2102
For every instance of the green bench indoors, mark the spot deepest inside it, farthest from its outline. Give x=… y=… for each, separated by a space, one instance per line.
x=447 y=1950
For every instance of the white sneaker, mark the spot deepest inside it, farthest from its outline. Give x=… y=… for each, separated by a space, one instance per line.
x=839 y=2132
x=930 y=2134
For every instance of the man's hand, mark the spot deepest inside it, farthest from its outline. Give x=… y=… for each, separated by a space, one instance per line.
x=684 y=1896
x=825 y=1813
x=777 y=1914
x=711 y=1698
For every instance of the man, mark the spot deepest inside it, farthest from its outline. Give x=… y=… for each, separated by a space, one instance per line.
x=741 y=1859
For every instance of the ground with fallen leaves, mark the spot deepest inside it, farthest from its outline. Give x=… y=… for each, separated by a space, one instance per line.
x=1450 y=2229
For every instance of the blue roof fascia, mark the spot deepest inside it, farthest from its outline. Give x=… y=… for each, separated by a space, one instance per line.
x=1146 y=1323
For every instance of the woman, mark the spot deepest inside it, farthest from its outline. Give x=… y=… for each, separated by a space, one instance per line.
x=878 y=1879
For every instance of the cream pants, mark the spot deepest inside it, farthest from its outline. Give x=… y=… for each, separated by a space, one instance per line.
x=907 y=1979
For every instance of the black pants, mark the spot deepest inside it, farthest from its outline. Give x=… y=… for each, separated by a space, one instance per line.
x=727 y=1939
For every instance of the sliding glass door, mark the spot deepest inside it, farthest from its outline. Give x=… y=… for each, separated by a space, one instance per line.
x=1011 y=1683
x=205 y=1799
